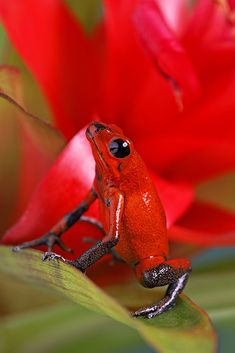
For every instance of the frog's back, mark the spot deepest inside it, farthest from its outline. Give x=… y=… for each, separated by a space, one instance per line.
x=143 y=231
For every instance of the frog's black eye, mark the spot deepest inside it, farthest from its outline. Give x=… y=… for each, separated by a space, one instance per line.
x=119 y=148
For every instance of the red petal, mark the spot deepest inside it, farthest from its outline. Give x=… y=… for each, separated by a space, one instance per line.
x=30 y=172
x=60 y=191
x=165 y=50
x=210 y=38
x=205 y=225
x=176 y=198
x=153 y=102
x=198 y=144
x=231 y=4
x=176 y=13
x=126 y=64
x=208 y=23
x=189 y=160
x=58 y=53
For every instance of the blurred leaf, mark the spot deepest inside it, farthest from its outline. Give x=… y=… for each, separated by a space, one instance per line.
x=213 y=288
x=28 y=296
x=33 y=95
x=2 y=41
x=9 y=153
x=65 y=328
x=38 y=142
x=219 y=191
x=226 y=327
x=47 y=139
x=184 y=329
x=213 y=258
x=87 y=11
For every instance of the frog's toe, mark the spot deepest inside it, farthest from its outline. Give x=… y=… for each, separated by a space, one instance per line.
x=48 y=256
x=16 y=248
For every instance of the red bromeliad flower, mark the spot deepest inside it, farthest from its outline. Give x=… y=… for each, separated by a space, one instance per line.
x=164 y=72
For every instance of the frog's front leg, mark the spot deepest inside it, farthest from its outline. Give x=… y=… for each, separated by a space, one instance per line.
x=54 y=235
x=174 y=273
x=112 y=252
x=104 y=246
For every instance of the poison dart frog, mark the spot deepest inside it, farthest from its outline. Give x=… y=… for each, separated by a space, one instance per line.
x=133 y=219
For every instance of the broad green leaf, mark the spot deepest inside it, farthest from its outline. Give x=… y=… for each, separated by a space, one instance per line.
x=65 y=328
x=183 y=329
x=29 y=297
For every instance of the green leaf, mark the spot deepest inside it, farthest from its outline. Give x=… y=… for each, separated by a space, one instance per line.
x=213 y=288
x=185 y=328
x=29 y=297
x=64 y=328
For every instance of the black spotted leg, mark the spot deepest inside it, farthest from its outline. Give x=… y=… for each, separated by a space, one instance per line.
x=102 y=247
x=93 y=221
x=54 y=235
x=173 y=273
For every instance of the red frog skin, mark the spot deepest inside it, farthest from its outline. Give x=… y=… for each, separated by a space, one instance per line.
x=133 y=219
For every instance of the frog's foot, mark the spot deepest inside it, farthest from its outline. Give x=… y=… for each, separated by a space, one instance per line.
x=49 y=239
x=173 y=273
x=48 y=256
x=151 y=311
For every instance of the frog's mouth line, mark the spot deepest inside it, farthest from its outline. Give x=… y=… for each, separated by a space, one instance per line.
x=92 y=139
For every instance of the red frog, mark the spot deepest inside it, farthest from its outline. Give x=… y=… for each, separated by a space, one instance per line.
x=133 y=219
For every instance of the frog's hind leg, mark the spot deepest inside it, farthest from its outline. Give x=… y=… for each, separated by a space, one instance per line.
x=173 y=273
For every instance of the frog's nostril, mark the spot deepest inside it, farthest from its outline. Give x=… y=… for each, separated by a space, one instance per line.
x=99 y=126
x=88 y=133
x=95 y=127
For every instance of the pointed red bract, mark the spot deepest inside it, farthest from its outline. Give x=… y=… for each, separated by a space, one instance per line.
x=176 y=14
x=165 y=50
x=62 y=189
x=209 y=39
x=126 y=65
x=186 y=159
x=175 y=197
x=205 y=225
x=59 y=54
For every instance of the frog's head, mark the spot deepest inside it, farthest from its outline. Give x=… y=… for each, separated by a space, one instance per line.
x=112 y=150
